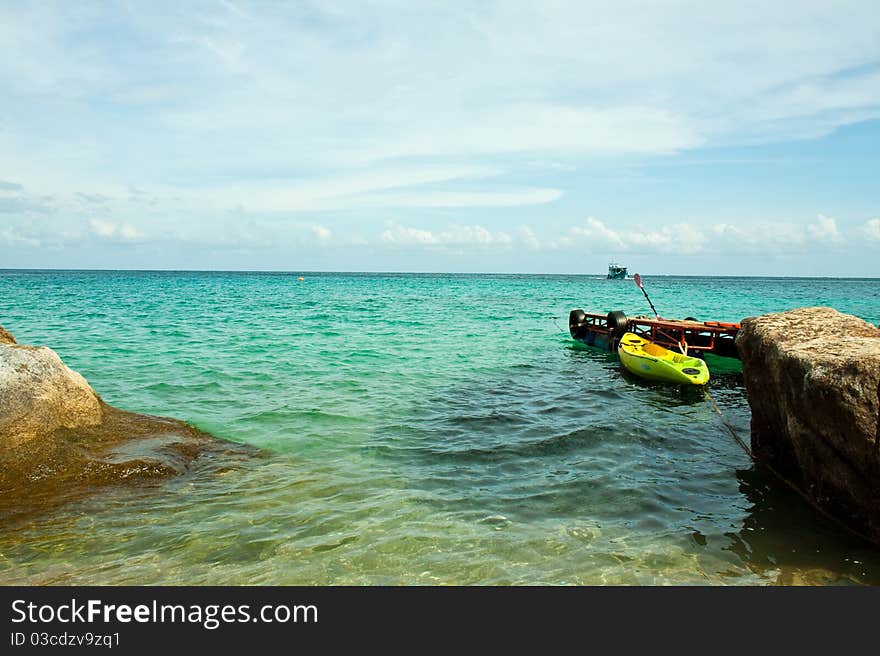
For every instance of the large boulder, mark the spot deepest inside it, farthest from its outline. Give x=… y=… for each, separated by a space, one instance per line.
x=58 y=438
x=39 y=394
x=812 y=376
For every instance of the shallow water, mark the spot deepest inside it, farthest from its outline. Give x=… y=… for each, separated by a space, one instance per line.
x=419 y=429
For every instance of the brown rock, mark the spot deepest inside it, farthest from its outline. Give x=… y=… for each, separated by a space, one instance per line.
x=58 y=439
x=802 y=576
x=39 y=394
x=6 y=337
x=812 y=376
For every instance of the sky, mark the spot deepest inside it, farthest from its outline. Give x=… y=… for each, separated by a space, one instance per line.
x=685 y=138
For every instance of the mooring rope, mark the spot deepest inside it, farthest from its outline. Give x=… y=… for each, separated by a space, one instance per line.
x=729 y=426
x=791 y=484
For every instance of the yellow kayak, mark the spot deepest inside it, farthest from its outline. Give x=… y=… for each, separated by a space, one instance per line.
x=648 y=360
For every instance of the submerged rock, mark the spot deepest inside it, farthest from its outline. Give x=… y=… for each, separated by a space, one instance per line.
x=812 y=376
x=58 y=438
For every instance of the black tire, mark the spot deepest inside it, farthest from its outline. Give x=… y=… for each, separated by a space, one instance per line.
x=617 y=322
x=691 y=319
x=576 y=323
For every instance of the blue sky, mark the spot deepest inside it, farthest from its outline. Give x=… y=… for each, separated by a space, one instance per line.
x=676 y=137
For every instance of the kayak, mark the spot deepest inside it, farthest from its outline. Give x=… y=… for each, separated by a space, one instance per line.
x=649 y=360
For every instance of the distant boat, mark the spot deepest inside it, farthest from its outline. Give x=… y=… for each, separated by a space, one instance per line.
x=616 y=272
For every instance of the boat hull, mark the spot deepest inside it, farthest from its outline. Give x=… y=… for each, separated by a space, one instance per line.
x=701 y=337
x=616 y=272
x=652 y=362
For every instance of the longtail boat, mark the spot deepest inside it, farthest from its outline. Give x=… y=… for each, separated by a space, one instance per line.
x=695 y=337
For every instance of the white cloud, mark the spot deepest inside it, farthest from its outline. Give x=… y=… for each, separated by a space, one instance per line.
x=460 y=199
x=13 y=236
x=721 y=238
x=102 y=228
x=871 y=230
x=322 y=233
x=114 y=231
x=597 y=231
x=825 y=230
x=456 y=235
x=413 y=187
x=677 y=238
x=208 y=91
x=407 y=236
x=15 y=200
x=375 y=188
x=536 y=129
x=128 y=232
x=592 y=236
x=760 y=238
x=526 y=236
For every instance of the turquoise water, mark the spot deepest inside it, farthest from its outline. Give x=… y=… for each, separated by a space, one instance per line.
x=420 y=429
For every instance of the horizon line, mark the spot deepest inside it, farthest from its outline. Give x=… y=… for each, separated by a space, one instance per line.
x=437 y=273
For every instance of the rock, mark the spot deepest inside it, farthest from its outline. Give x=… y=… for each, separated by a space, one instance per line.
x=812 y=376
x=59 y=439
x=801 y=576
x=39 y=394
x=6 y=337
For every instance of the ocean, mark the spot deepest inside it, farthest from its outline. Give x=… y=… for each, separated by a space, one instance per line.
x=418 y=429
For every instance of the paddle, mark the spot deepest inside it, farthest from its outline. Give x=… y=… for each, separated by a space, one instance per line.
x=682 y=345
x=638 y=281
